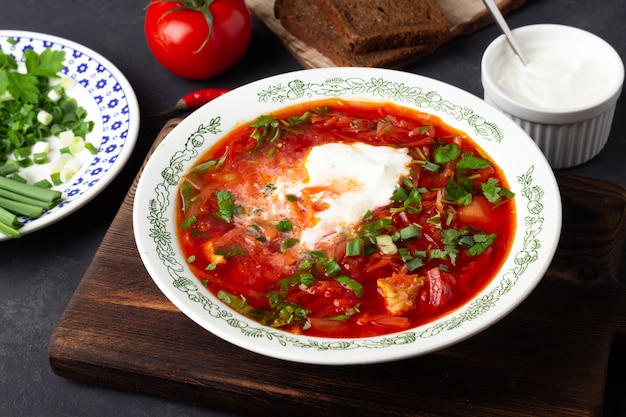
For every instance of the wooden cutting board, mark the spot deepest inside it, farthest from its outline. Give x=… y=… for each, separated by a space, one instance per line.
x=547 y=358
x=464 y=17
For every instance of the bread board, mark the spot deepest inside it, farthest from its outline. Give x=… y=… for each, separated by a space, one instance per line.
x=549 y=357
x=464 y=17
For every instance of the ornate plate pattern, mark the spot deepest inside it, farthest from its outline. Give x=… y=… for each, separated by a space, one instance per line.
x=110 y=103
x=529 y=175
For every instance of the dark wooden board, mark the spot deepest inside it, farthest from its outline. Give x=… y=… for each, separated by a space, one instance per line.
x=549 y=357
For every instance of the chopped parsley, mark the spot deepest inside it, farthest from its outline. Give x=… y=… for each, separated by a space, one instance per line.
x=226 y=206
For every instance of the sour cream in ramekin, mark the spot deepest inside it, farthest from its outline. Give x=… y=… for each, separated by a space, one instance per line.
x=564 y=97
x=556 y=77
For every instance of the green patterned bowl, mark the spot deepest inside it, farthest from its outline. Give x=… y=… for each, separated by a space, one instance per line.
x=538 y=210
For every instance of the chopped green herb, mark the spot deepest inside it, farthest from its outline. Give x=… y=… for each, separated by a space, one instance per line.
x=355 y=286
x=296 y=120
x=354 y=247
x=437 y=254
x=210 y=164
x=456 y=193
x=226 y=205
x=229 y=251
x=257 y=232
x=471 y=161
x=414 y=264
x=284 y=225
x=269 y=189
x=482 y=242
x=306 y=279
x=446 y=153
x=288 y=244
x=423 y=130
x=332 y=267
x=375 y=227
x=188 y=222
x=494 y=192
x=410 y=232
x=368 y=216
x=266 y=129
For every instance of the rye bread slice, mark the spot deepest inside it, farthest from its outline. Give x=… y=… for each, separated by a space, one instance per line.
x=372 y=25
x=310 y=26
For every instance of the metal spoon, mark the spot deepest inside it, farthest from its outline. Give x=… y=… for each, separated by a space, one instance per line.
x=497 y=16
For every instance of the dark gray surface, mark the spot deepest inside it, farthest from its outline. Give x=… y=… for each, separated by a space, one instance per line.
x=39 y=272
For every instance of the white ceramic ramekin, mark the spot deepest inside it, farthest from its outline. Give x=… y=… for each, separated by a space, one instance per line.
x=575 y=132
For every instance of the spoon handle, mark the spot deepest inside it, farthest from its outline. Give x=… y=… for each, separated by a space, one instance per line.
x=497 y=16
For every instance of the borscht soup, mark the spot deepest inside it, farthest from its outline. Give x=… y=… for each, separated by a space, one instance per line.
x=345 y=219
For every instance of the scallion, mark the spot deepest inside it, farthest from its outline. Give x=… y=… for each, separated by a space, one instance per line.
x=354 y=247
x=19 y=207
x=26 y=200
x=12 y=232
x=9 y=223
x=31 y=191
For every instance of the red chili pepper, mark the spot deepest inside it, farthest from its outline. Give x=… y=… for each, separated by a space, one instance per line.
x=193 y=100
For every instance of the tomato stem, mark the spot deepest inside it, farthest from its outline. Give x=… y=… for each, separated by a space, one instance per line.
x=201 y=6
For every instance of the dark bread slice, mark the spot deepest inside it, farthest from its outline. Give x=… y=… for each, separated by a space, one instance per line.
x=371 y=25
x=310 y=26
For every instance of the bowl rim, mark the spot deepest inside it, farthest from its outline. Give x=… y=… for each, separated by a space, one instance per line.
x=535 y=179
x=545 y=115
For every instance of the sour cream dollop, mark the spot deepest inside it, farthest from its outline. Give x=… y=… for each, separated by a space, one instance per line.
x=364 y=176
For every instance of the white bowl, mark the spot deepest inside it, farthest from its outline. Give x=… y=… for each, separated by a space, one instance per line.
x=566 y=95
x=538 y=210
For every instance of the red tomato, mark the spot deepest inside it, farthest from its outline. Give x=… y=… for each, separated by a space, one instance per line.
x=198 y=39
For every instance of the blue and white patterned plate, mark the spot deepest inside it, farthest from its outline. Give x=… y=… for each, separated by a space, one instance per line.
x=110 y=103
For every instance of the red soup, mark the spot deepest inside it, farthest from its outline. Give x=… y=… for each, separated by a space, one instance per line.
x=345 y=219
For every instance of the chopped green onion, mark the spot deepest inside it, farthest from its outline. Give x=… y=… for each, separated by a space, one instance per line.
x=9 y=231
x=40 y=158
x=43 y=184
x=307 y=279
x=355 y=286
x=414 y=264
x=21 y=208
x=44 y=117
x=10 y=219
x=9 y=167
x=354 y=247
x=55 y=177
x=26 y=200
x=385 y=245
x=409 y=232
x=22 y=153
x=332 y=267
x=91 y=148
